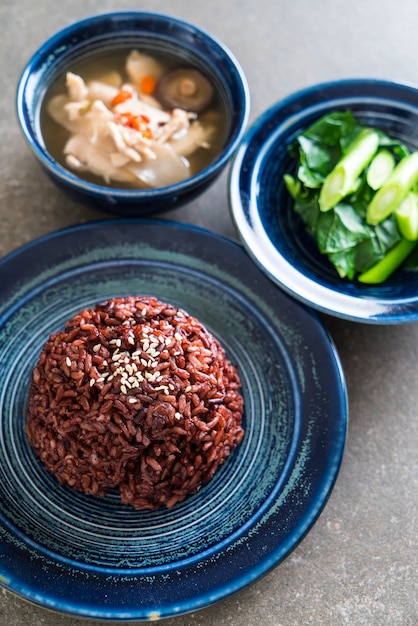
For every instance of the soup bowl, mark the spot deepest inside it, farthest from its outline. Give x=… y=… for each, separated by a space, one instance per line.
x=184 y=45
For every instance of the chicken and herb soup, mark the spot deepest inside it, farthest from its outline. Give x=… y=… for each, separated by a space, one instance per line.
x=141 y=123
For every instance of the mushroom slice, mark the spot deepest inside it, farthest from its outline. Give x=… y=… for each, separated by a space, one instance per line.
x=76 y=87
x=102 y=91
x=82 y=155
x=185 y=88
x=140 y=66
x=198 y=136
x=58 y=110
x=167 y=168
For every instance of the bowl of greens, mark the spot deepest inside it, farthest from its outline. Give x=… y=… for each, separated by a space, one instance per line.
x=323 y=191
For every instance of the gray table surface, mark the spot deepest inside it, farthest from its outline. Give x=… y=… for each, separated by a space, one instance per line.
x=358 y=564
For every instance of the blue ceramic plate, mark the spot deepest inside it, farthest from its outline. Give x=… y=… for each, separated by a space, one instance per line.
x=262 y=209
x=94 y=557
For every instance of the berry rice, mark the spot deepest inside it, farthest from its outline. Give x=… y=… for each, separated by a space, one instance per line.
x=134 y=394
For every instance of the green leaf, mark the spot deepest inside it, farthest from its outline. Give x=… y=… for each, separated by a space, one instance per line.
x=342 y=233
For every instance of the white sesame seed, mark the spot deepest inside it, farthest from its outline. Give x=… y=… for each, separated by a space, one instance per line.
x=144 y=311
x=131 y=340
x=144 y=362
x=123 y=389
x=177 y=415
x=92 y=381
x=100 y=380
x=178 y=336
x=188 y=388
x=97 y=347
x=68 y=361
x=132 y=400
x=171 y=386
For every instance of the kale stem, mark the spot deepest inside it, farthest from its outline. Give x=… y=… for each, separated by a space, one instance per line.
x=379 y=272
x=394 y=190
x=341 y=180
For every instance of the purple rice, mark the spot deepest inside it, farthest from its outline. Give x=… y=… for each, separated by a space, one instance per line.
x=134 y=394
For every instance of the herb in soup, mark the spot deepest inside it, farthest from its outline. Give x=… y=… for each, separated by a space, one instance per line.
x=356 y=190
x=147 y=125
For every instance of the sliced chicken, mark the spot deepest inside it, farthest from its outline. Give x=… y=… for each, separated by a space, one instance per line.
x=120 y=134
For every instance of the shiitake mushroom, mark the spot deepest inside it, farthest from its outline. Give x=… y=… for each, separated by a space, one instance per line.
x=185 y=88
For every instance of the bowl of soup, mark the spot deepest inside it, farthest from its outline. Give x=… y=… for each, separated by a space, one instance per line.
x=133 y=112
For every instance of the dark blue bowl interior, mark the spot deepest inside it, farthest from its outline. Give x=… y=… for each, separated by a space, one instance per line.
x=151 y=33
x=263 y=209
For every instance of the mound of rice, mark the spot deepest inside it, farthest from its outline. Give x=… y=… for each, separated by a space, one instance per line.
x=134 y=394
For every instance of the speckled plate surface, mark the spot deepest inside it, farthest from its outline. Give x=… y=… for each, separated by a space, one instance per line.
x=94 y=557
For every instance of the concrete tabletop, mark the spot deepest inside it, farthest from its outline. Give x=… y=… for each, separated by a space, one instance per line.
x=357 y=566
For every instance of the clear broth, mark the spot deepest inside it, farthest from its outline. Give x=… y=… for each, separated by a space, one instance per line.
x=96 y=68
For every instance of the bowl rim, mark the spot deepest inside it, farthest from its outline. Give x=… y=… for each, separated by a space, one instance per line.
x=360 y=303
x=65 y=176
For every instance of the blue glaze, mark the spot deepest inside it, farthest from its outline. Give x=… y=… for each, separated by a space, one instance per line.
x=147 y=31
x=262 y=209
x=115 y=563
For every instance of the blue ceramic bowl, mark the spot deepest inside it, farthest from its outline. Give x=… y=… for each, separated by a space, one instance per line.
x=150 y=33
x=262 y=209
